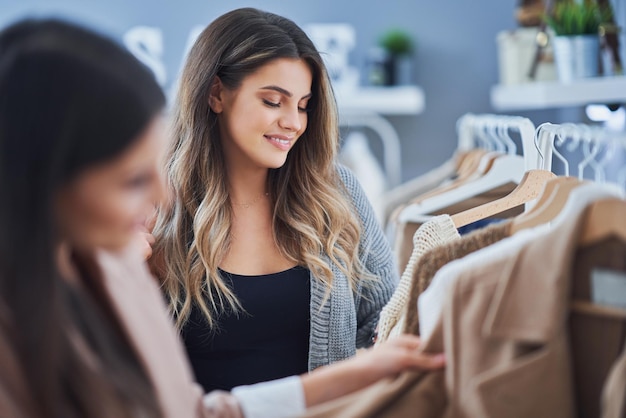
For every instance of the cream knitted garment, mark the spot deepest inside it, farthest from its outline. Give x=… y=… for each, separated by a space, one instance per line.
x=436 y=231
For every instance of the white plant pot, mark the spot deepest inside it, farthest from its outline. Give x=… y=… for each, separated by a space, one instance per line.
x=576 y=57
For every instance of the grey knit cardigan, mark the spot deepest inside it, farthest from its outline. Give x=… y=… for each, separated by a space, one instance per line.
x=346 y=321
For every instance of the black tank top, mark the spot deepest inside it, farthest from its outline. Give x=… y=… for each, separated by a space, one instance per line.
x=269 y=340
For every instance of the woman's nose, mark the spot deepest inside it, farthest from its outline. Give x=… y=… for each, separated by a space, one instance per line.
x=290 y=119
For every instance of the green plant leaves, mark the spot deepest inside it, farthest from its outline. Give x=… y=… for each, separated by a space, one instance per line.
x=396 y=42
x=578 y=18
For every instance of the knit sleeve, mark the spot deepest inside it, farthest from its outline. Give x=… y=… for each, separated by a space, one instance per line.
x=375 y=253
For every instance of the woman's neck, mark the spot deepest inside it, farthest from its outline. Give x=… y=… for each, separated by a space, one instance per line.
x=246 y=186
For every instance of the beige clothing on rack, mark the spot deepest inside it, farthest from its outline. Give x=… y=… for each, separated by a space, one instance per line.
x=437 y=231
x=512 y=314
x=586 y=331
x=431 y=299
x=436 y=258
x=403 y=232
x=505 y=329
x=416 y=394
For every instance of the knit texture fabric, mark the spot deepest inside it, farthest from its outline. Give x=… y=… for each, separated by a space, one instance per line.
x=437 y=231
x=436 y=258
x=346 y=320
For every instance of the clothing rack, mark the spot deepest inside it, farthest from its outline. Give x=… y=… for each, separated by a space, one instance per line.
x=490 y=132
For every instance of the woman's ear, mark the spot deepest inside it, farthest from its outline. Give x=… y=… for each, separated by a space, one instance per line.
x=215 y=96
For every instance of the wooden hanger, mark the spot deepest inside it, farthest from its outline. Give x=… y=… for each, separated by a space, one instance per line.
x=491 y=133
x=604 y=218
x=482 y=164
x=529 y=188
x=549 y=204
x=547 y=193
x=506 y=169
x=496 y=168
x=470 y=162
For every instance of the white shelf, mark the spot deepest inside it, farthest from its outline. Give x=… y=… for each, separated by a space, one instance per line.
x=393 y=100
x=542 y=95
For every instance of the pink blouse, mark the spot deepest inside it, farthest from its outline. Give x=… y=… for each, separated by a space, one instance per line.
x=139 y=303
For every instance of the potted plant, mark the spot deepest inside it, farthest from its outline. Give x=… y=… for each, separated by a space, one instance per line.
x=576 y=39
x=399 y=48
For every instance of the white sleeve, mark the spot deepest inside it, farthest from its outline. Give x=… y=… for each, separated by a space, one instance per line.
x=281 y=398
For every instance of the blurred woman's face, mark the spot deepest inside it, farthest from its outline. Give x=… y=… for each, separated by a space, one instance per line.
x=106 y=205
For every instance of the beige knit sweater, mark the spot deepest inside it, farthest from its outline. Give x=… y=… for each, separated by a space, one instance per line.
x=437 y=231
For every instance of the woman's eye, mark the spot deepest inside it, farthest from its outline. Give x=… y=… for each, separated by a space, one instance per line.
x=270 y=103
x=304 y=109
x=138 y=182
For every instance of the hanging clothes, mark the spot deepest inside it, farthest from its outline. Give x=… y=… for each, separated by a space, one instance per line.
x=441 y=255
x=437 y=231
x=505 y=329
x=430 y=298
x=528 y=317
x=404 y=231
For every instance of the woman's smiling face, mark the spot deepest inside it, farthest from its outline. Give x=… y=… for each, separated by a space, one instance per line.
x=262 y=119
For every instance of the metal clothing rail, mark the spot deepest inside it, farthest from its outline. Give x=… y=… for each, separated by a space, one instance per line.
x=392 y=154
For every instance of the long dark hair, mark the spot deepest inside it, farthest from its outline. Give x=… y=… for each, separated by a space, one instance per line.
x=312 y=215
x=69 y=98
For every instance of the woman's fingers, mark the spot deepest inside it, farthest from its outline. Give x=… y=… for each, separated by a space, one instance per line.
x=405 y=340
x=151 y=221
x=220 y=404
x=402 y=352
x=146 y=240
x=414 y=357
x=428 y=361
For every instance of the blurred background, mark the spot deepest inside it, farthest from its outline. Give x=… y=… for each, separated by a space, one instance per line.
x=452 y=58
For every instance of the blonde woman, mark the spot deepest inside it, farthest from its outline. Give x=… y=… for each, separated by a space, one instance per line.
x=270 y=254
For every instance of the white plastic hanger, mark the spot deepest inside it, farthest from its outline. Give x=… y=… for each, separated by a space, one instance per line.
x=592 y=140
x=556 y=200
x=542 y=183
x=506 y=169
x=469 y=126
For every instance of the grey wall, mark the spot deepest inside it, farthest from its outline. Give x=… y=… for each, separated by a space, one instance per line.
x=455 y=63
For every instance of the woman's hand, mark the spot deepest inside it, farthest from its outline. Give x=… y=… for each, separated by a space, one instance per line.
x=220 y=404
x=394 y=356
x=146 y=240
x=368 y=366
x=145 y=237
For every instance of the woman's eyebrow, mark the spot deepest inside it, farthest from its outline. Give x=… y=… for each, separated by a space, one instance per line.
x=283 y=91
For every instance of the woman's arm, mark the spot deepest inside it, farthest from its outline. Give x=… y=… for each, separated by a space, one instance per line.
x=291 y=396
x=367 y=367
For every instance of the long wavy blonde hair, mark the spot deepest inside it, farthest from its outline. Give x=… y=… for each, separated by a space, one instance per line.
x=312 y=212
